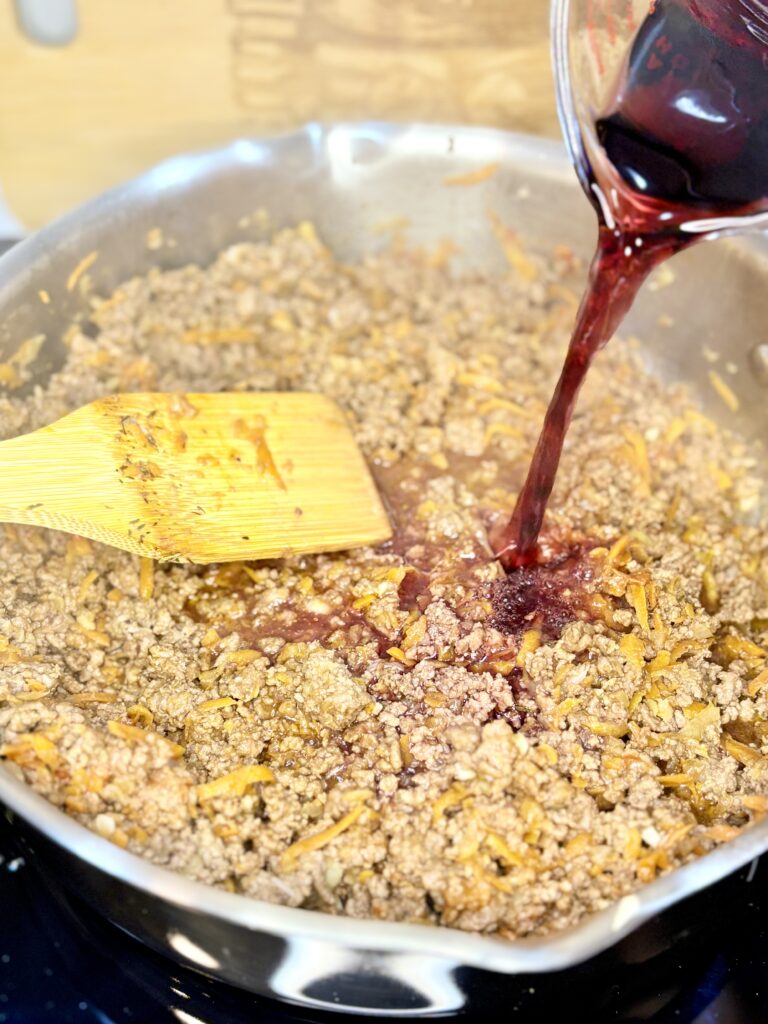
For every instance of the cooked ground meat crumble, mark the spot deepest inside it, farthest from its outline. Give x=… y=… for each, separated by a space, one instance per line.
x=402 y=732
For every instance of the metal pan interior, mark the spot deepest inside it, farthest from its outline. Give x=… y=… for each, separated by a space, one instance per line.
x=349 y=179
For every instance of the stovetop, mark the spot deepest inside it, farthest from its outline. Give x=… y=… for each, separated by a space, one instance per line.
x=60 y=963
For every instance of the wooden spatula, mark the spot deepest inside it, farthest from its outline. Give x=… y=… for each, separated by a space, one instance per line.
x=197 y=478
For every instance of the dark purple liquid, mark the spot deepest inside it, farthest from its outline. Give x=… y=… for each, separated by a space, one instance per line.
x=685 y=137
x=614 y=281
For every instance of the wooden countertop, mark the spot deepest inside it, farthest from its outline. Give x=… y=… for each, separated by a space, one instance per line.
x=145 y=79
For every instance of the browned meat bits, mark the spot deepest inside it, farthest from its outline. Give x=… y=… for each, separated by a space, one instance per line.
x=400 y=733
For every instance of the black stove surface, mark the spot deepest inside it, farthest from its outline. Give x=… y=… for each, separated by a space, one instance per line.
x=60 y=963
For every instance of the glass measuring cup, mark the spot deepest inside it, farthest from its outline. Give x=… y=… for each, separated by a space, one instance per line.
x=592 y=41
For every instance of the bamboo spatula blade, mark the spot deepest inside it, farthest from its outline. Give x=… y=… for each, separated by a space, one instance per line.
x=198 y=477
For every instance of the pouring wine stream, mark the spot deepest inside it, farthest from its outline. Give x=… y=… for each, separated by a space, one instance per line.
x=679 y=155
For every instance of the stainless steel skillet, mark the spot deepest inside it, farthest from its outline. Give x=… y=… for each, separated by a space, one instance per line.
x=349 y=180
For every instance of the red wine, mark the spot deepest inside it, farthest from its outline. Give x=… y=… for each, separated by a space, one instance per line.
x=689 y=122
x=684 y=138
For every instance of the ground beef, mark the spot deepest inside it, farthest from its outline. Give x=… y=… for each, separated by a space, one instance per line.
x=402 y=732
